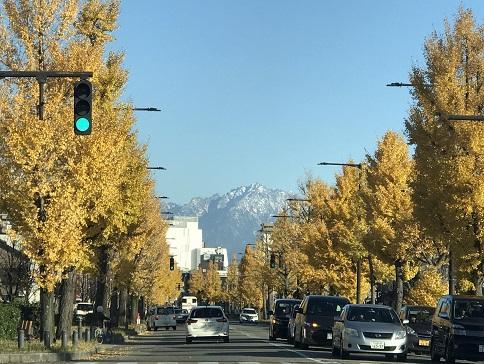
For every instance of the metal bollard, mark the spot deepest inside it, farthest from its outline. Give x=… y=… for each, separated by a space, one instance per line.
x=79 y=327
x=21 y=339
x=64 y=340
x=75 y=339
x=87 y=336
x=47 y=339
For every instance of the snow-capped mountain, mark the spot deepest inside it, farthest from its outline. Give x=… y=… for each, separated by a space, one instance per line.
x=232 y=220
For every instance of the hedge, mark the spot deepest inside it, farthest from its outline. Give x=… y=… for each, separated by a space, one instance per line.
x=9 y=320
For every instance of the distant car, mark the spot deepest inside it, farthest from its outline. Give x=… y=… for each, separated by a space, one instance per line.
x=419 y=327
x=314 y=320
x=161 y=317
x=181 y=315
x=84 y=308
x=374 y=329
x=458 y=329
x=248 y=315
x=290 y=326
x=279 y=318
x=207 y=322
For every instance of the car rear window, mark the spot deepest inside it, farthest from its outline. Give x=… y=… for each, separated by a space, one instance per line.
x=85 y=306
x=322 y=307
x=207 y=312
x=165 y=311
x=284 y=308
x=420 y=315
x=372 y=314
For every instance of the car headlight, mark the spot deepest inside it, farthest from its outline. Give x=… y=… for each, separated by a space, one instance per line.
x=314 y=324
x=351 y=332
x=458 y=330
x=400 y=334
x=410 y=331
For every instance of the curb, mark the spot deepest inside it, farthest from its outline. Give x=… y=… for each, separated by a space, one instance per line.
x=47 y=357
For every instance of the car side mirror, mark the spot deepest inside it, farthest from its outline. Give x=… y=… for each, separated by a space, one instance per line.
x=271 y=313
x=338 y=319
x=299 y=310
x=444 y=315
x=405 y=322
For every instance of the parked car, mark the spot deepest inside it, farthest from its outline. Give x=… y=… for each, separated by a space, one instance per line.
x=314 y=320
x=374 y=329
x=161 y=317
x=290 y=326
x=458 y=329
x=248 y=315
x=83 y=309
x=279 y=318
x=207 y=322
x=181 y=315
x=419 y=327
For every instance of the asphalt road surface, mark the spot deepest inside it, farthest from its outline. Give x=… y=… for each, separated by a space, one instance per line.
x=249 y=344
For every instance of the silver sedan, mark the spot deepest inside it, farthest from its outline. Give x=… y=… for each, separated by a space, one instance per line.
x=373 y=329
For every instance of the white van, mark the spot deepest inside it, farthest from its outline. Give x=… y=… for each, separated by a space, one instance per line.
x=161 y=317
x=188 y=302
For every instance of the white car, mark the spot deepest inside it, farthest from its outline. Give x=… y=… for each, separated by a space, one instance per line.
x=248 y=315
x=83 y=308
x=161 y=317
x=207 y=322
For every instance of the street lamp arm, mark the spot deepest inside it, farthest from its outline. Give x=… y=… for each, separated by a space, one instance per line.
x=157 y=168
x=357 y=165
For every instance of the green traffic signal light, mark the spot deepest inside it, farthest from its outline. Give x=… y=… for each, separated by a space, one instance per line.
x=82 y=107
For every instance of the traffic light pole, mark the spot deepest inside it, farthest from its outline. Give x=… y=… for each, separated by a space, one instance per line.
x=41 y=77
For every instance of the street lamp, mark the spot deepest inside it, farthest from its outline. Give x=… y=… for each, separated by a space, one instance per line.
x=358 y=261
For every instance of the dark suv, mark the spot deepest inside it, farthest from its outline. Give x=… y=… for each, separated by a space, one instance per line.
x=279 y=319
x=458 y=329
x=419 y=327
x=315 y=319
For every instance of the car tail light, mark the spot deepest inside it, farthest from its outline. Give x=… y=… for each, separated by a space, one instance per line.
x=191 y=321
x=157 y=317
x=174 y=317
x=222 y=320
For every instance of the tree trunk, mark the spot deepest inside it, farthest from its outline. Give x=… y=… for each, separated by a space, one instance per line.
x=399 y=284
x=114 y=308
x=123 y=301
x=372 y=279
x=142 y=308
x=358 y=280
x=66 y=304
x=46 y=313
x=451 y=272
x=134 y=308
x=101 y=286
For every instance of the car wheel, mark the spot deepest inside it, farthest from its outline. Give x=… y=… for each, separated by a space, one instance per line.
x=148 y=327
x=334 y=350
x=449 y=353
x=289 y=339
x=226 y=339
x=402 y=357
x=435 y=357
x=155 y=328
x=295 y=342
x=174 y=327
x=188 y=340
x=167 y=328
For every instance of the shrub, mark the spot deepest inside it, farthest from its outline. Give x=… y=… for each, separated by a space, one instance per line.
x=10 y=322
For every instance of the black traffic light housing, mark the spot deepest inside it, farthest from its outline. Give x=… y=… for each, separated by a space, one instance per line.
x=172 y=263
x=82 y=107
x=273 y=260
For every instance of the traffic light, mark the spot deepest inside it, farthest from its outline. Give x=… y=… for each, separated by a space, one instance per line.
x=273 y=261
x=82 y=107
x=172 y=263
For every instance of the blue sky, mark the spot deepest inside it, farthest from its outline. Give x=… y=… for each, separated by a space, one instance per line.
x=261 y=91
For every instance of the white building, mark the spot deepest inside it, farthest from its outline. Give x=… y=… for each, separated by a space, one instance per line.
x=184 y=237
x=217 y=255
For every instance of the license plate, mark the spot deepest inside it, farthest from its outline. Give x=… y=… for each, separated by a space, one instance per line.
x=377 y=345
x=481 y=348
x=329 y=336
x=424 y=342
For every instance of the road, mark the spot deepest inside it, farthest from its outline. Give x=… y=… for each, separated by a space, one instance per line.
x=249 y=344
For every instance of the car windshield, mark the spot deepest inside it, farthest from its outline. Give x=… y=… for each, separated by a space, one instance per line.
x=207 y=312
x=420 y=315
x=372 y=314
x=165 y=311
x=284 y=308
x=178 y=310
x=85 y=306
x=469 y=309
x=321 y=307
x=249 y=311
